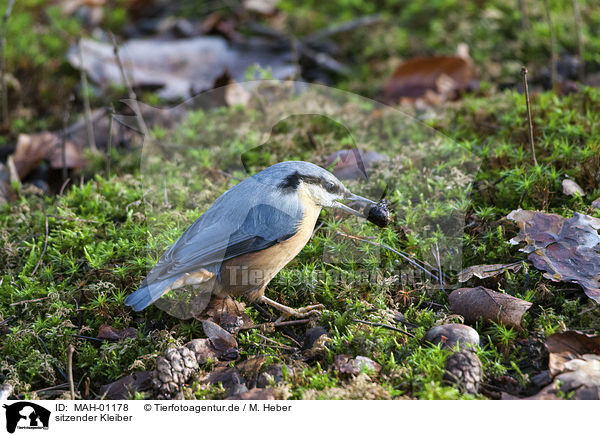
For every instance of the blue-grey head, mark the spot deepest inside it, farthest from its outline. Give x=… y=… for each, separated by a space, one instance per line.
x=318 y=184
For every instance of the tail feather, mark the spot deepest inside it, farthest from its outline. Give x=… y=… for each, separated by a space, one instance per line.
x=147 y=294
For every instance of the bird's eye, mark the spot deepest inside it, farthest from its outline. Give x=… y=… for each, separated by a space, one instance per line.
x=330 y=186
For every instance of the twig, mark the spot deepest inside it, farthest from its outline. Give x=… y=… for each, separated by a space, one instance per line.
x=80 y=124
x=71 y=218
x=439 y=263
x=553 y=59
x=35 y=300
x=279 y=344
x=580 y=42
x=86 y=101
x=165 y=193
x=269 y=325
x=524 y=74
x=387 y=247
x=70 y=350
x=317 y=229
x=7 y=320
x=386 y=326
x=3 y=61
x=132 y=96
x=109 y=143
x=89 y=338
x=43 y=251
x=343 y=28
x=58 y=368
x=64 y=185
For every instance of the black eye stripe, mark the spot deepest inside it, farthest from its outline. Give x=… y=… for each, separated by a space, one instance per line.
x=293 y=181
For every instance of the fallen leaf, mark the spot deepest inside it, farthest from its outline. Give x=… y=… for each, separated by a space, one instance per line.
x=203 y=350
x=353 y=164
x=32 y=149
x=228 y=313
x=571 y=188
x=486 y=271
x=6 y=191
x=569 y=345
x=108 y=332
x=179 y=67
x=567 y=249
x=227 y=376
x=273 y=374
x=221 y=340
x=480 y=302
x=574 y=367
x=434 y=79
x=263 y=7
x=251 y=367
x=123 y=387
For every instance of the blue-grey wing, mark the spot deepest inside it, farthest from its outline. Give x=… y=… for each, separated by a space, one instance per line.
x=207 y=247
x=239 y=222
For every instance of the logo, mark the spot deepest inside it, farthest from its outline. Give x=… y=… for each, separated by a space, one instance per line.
x=26 y=415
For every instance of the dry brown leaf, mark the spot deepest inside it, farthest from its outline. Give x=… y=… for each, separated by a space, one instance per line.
x=228 y=313
x=434 y=79
x=222 y=341
x=6 y=191
x=480 y=302
x=108 y=332
x=567 y=249
x=575 y=366
x=123 y=387
x=250 y=367
x=353 y=164
x=571 y=188
x=569 y=345
x=486 y=271
x=32 y=149
x=263 y=7
x=227 y=376
x=203 y=350
x=180 y=67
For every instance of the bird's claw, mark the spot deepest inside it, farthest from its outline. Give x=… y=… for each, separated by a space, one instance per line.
x=301 y=312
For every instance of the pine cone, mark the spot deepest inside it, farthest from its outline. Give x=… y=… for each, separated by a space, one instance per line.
x=173 y=370
x=463 y=369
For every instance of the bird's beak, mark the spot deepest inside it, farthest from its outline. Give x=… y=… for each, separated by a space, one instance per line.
x=361 y=201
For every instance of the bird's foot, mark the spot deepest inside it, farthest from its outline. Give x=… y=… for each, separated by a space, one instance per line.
x=301 y=312
x=288 y=312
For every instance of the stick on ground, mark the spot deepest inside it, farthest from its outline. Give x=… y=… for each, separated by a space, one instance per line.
x=3 y=61
x=70 y=350
x=524 y=74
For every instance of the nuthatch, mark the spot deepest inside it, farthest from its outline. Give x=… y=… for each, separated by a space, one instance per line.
x=251 y=231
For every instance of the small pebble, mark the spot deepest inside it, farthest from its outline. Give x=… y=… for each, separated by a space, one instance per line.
x=449 y=335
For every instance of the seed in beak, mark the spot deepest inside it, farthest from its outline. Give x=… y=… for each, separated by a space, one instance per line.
x=379 y=214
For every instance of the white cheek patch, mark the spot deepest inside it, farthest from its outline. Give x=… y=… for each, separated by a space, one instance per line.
x=317 y=194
